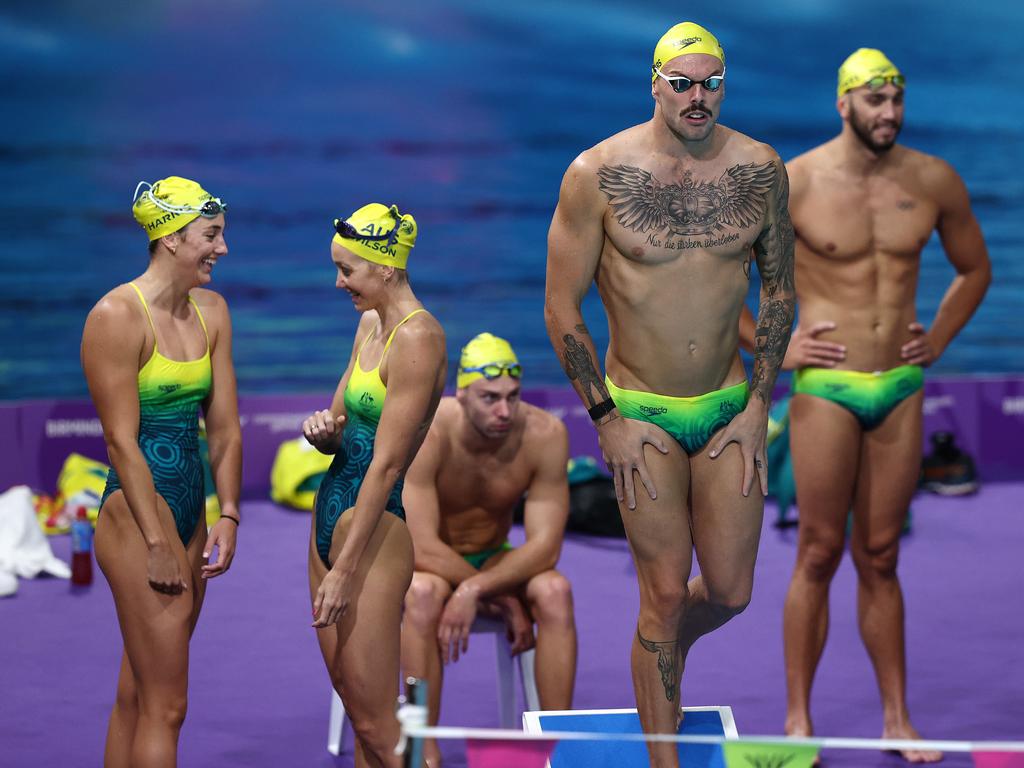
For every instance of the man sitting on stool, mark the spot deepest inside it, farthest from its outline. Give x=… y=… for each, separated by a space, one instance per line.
x=484 y=450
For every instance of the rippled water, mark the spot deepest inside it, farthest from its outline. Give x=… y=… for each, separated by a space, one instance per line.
x=465 y=113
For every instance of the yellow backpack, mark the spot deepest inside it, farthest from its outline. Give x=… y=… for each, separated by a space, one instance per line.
x=296 y=473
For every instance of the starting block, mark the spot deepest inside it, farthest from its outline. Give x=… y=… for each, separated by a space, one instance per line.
x=697 y=721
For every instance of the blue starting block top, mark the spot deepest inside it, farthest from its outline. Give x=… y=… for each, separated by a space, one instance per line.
x=697 y=721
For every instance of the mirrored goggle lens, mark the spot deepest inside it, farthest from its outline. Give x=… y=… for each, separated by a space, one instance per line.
x=682 y=84
x=494 y=371
x=212 y=208
x=877 y=82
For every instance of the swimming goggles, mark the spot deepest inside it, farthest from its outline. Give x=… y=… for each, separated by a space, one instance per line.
x=209 y=209
x=681 y=84
x=494 y=370
x=349 y=232
x=877 y=82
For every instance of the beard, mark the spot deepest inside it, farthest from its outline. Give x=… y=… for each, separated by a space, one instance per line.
x=863 y=131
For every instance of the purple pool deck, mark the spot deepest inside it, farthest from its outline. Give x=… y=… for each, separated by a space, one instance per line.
x=259 y=693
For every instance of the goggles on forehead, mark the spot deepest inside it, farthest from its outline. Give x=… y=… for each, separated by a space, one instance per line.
x=877 y=82
x=349 y=232
x=209 y=209
x=492 y=371
x=681 y=84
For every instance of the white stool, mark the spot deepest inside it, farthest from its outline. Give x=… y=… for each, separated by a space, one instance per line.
x=507 y=713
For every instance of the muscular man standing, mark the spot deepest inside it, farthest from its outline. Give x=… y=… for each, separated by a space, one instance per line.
x=665 y=217
x=863 y=208
x=485 y=450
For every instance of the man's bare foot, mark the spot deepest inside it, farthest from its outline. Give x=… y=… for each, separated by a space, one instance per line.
x=800 y=727
x=907 y=731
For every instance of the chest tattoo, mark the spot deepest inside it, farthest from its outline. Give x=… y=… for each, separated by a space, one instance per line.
x=691 y=213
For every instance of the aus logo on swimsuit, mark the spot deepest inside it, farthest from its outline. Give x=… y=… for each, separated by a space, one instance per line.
x=366 y=399
x=691 y=207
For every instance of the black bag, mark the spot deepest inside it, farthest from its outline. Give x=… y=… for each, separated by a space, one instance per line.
x=593 y=508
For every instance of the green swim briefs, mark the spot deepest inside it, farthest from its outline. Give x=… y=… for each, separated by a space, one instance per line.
x=690 y=420
x=477 y=559
x=870 y=397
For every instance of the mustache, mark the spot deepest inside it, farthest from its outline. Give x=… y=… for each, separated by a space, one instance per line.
x=697 y=107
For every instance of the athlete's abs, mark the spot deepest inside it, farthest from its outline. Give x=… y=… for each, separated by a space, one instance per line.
x=673 y=313
x=857 y=264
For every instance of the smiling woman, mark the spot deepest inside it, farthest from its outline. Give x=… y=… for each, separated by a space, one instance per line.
x=154 y=350
x=360 y=554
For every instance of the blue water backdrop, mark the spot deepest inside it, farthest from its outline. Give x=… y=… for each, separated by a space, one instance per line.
x=465 y=113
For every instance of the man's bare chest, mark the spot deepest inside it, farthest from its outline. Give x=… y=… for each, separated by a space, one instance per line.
x=487 y=481
x=655 y=216
x=848 y=220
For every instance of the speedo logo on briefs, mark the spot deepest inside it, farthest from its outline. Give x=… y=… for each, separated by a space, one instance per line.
x=650 y=410
x=836 y=387
x=366 y=399
x=168 y=388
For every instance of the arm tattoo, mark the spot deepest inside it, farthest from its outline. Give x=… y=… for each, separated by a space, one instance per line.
x=668 y=663
x=774 y=253
x=580 y=367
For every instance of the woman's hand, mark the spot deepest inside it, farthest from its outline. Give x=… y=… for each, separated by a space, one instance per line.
x=222 y=536
x=332 y=598
x=164 y=571
x=323 y=432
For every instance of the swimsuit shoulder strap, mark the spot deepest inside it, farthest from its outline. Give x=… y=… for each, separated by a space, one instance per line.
x=145 y=306
x=201 y=321
x=369 y=335
x=392 y=336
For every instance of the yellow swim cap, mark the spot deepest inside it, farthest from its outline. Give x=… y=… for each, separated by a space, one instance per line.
x=170 y=204
x=379 y=234
x=864 y=65
x=484 y=351
x=682 y=39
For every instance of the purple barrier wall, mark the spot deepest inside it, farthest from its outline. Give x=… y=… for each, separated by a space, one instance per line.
x=987 y=416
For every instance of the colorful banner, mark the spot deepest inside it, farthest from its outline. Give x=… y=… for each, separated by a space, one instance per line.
x=999 y=760
x=986 y=415
x=498 y=753
x=750 y=754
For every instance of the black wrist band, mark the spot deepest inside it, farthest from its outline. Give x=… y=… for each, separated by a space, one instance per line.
x=229 y=517
x=601 y=409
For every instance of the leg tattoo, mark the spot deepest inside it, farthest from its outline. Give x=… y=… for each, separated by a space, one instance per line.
x=668 y=663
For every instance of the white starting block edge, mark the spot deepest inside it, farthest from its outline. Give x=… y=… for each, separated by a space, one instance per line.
x=531 y=720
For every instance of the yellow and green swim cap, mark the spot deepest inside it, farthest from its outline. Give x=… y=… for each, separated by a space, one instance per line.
x=864 y=66
x=486 y=356
x=682 y=39
x=169 y=204
x=378 y=233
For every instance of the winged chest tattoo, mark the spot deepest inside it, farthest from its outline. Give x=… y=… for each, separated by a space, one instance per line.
x=691 y=213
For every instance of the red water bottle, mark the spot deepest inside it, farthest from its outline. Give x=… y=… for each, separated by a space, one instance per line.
x=81 y=549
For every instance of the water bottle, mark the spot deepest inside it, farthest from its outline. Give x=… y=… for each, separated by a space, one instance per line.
x=81 y=549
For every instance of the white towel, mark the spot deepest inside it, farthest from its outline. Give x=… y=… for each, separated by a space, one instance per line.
x=24 y=550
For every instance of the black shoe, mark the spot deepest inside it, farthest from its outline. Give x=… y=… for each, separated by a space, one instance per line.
x=948 y=470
